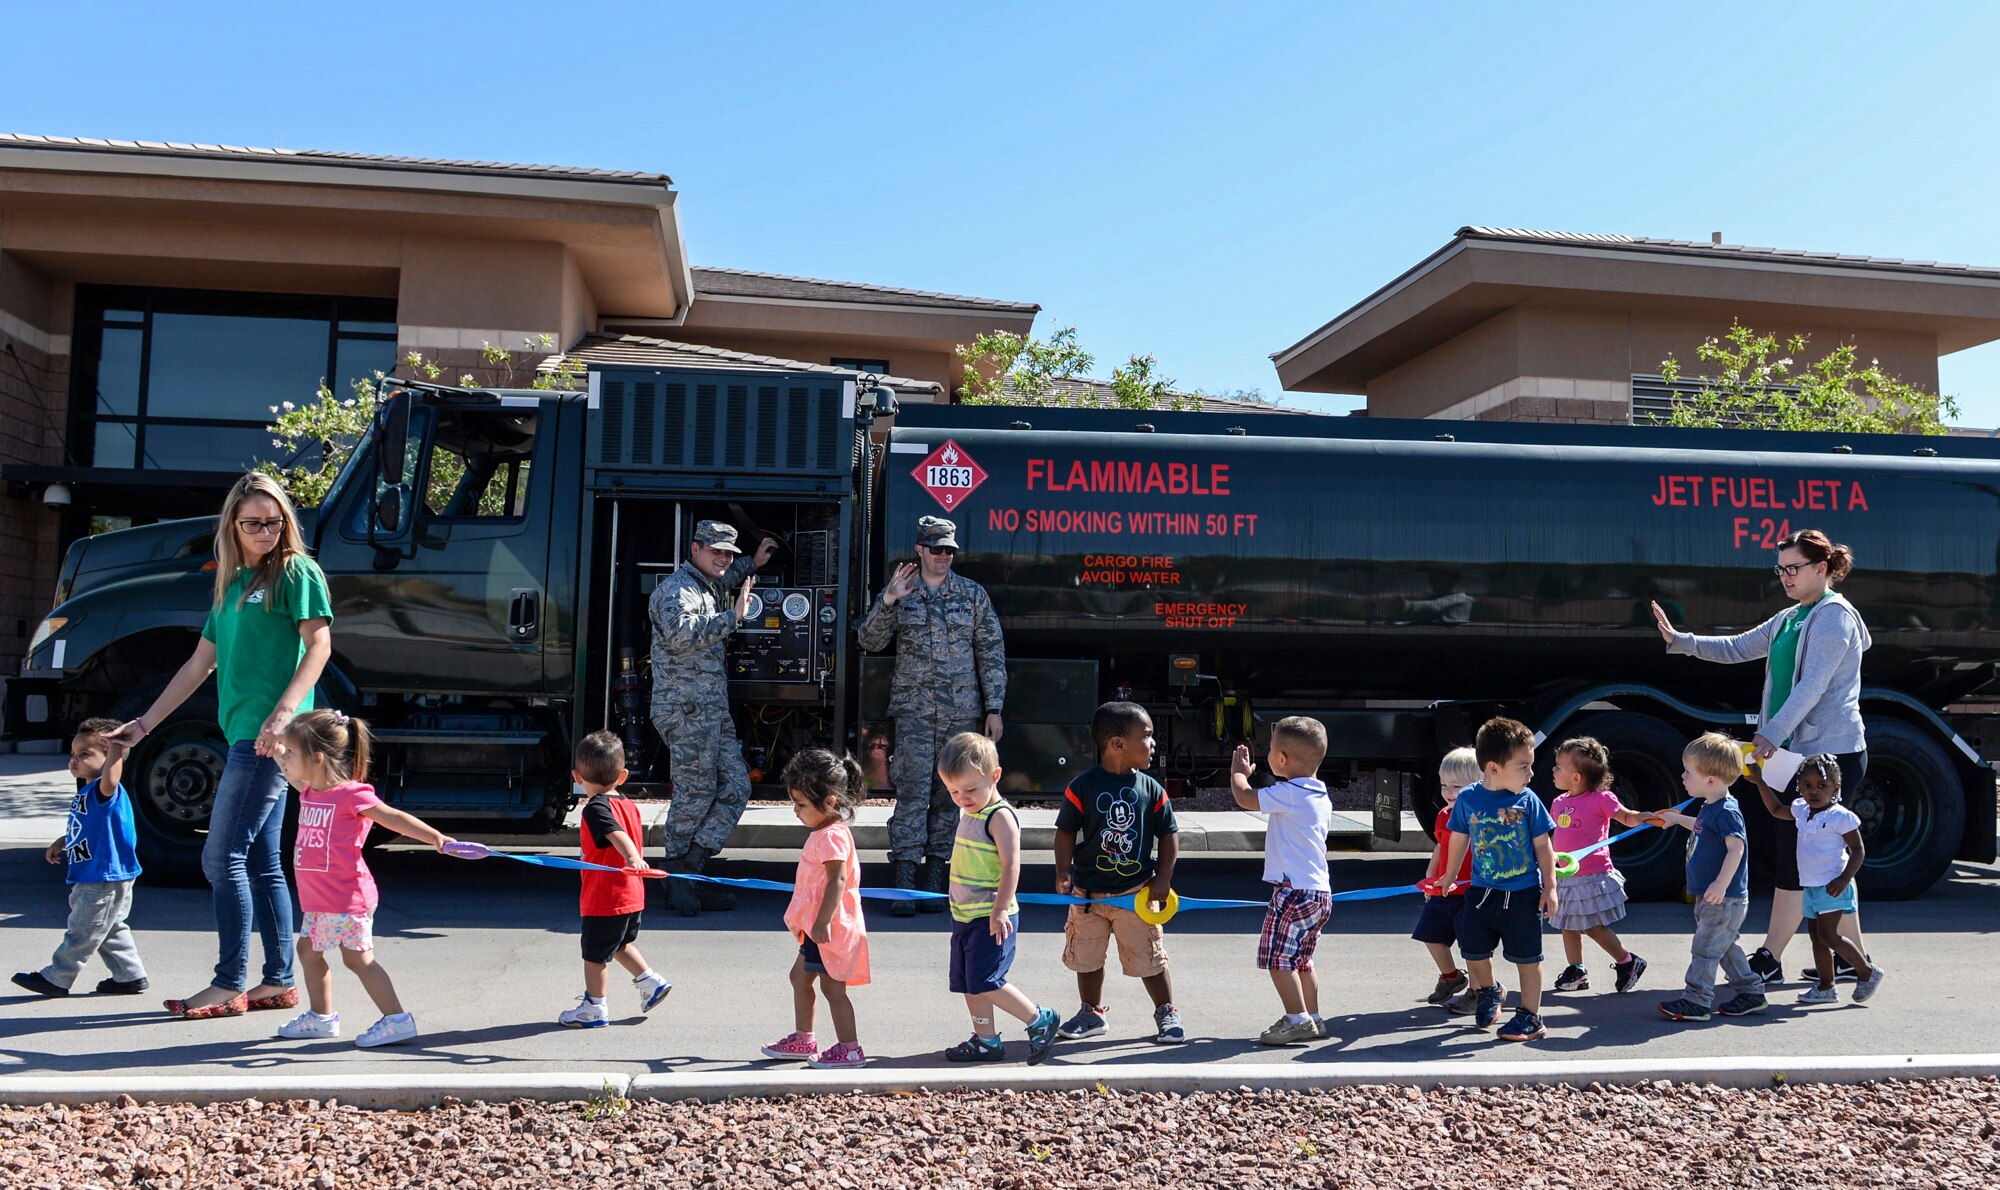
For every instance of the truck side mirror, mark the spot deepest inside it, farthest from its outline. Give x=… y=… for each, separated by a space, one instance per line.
x=392 y=439
x=389 y=507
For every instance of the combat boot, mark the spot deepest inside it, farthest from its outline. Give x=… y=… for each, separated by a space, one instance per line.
x=681 y=895
x=713 y=897
x=937 y=879
x=906 y=877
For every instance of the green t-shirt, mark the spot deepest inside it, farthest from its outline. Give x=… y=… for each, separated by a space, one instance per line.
x=257 y=645
x=1785 y=661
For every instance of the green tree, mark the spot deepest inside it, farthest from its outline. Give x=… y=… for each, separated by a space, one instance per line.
x=1756 y=383
x=1003 y=368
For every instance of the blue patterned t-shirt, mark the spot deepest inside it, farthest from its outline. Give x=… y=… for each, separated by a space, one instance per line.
x=1502 y=829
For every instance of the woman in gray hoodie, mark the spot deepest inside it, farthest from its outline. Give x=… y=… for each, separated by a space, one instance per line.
x=1811 y=702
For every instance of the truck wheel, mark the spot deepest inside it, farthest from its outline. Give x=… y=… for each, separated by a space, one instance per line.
x=1912 y=810
x=171 y=777
x=1646 y=775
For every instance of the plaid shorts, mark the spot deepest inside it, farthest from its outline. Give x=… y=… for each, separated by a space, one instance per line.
x=1291 y=928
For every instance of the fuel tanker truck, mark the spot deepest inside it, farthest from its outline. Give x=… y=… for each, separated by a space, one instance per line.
x=490 y=554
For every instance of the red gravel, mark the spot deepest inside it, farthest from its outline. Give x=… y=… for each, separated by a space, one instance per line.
x=1894 y=1134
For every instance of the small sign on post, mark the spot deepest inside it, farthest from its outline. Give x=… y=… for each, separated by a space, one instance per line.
x=1390 y=788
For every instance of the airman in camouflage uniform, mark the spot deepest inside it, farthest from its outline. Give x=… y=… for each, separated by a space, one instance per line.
x=692 y=613
x=950 y=676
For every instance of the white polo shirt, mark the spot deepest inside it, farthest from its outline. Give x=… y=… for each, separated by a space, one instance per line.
x=1300 y=815
x=1822 y=841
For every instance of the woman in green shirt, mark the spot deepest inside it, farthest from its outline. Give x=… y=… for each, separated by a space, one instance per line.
x=267 y=638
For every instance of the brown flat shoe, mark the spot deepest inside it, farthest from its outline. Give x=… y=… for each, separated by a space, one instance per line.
x=234 y=1006
x=289 y=998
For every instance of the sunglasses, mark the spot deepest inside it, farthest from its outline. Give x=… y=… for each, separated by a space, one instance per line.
x=259 y=528
x=945 y=550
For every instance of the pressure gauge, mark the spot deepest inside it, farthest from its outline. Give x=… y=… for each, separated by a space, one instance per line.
x=753 y=609
x=797 y=606
x=828 y=615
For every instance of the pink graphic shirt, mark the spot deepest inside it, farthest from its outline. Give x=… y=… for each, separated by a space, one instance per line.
x=846 y=956
x=332 y=876
x=1583 y=819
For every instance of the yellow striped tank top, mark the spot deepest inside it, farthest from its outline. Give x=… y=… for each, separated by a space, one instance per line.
x=975 y=863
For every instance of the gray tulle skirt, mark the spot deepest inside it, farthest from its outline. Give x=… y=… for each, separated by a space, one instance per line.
x=1589 y=900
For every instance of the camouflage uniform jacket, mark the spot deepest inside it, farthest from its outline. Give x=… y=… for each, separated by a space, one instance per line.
x=949 y=654
x=691 y=616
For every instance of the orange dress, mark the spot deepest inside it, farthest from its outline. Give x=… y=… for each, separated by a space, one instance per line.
x=846 y=956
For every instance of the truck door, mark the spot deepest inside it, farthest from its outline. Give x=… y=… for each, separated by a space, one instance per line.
x=456 y=598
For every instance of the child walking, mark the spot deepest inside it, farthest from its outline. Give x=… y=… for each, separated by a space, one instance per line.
x=1110 y=820
x=611 y=901
x=1830 y=856
x=1300 y=815
x=102 y=851
x=825 y=911
x=325 y=758
x=1503 y=825
x=985 y=872
x=1437 y=922
x=1594 y=898
x=1720 y=881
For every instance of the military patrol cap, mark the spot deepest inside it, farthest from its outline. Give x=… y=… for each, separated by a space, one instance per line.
x=936 y=531
x=717 y=535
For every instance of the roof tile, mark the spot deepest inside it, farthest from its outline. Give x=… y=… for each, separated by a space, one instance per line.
x=779 y=286
x=1699 y=248
x=324 y=157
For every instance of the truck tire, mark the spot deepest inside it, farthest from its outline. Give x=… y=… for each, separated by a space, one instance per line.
x=171 y=777
x=1912 y=809
x=1646 y=775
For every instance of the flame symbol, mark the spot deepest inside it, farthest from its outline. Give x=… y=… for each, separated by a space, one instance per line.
x=949 y=456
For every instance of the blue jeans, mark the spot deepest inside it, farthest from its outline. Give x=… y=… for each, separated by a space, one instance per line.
x=244 y=865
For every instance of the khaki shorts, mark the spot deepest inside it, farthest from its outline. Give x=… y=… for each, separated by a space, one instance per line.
x=1142 y=948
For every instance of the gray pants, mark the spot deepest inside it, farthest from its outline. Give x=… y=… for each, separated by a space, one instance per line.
x=1715 y=931
x=97 y=927
x=925 y=820
x=711 y=781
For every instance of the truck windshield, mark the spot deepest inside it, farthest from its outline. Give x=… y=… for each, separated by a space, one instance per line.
x=364 y=449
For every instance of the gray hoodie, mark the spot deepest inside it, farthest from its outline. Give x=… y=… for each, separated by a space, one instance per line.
x=1823 y=711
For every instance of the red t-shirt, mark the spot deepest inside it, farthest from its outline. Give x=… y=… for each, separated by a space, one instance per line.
x=1443 y=837
x=611 y=894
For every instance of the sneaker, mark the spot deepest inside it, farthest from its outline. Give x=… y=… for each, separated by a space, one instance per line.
x=390 y=1030
x=123 y=987
x=1685 y=1009
x=1167 y=1026
x=1486 y=1006
x=585 y=1015
x=1629 y=972
x=1526 y=1026
x=1819 y=995
x=1042 y=1035
x=1447 y=987
x=1284 y=1032
x=652 y=991
x=310 y=1024
x=977 y=1049
x=792 y=1045
x=1843 y=971
x=40 y=984
x=1462 y=1004
x=1573 y=979
x=1866 y=988
x=1744 y=1004
x=1088 y=1022
x=840 y=1056
x=1768 y=968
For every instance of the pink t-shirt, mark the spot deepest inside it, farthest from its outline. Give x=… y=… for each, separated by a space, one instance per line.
x=846 y=956
x=332 y=876
x=1583 y=819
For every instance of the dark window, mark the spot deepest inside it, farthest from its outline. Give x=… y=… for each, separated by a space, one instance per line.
x=184 y=380
x=878 y=367
x=479 y=464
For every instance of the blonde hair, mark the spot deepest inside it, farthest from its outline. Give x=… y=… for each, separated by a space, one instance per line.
x=1712 y=754
x=1459 y=768
x=1303 y=736
x=336 y=735
x=968 y=752
x=229 y=554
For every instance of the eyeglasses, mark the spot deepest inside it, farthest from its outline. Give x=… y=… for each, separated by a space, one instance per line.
x=259 y=528
x=1791 y=569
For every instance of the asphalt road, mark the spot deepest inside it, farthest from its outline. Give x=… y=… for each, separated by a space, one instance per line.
x=485 y=955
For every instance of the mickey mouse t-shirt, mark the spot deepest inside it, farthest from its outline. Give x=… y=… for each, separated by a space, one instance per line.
x=1120 y=820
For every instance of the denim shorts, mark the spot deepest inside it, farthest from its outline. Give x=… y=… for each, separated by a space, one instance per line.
x=1439 y=920
x=1511 y=921
x=809 y=951
x=1818 y=901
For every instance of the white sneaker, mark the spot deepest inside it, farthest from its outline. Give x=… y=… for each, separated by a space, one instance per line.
x=652 y=991
x=310 y=1024
x=390 y=1030
x=585 y=1015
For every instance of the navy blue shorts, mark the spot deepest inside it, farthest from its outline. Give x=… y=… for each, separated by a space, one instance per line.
x=978 y=963
x=1510 y=921
x=809 y=951
x=1439 y=920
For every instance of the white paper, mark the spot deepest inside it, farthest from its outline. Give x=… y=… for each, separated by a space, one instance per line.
x=1779 y=770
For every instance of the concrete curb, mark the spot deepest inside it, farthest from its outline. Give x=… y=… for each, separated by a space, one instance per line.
x=406 y=1092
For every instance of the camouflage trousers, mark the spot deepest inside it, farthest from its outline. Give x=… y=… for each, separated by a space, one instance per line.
x=925 y=819
x=711 y=782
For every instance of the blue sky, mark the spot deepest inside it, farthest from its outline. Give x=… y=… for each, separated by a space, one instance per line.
x=1207 y=183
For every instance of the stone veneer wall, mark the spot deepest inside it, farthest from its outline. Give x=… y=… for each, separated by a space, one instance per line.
x=1547 y=399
